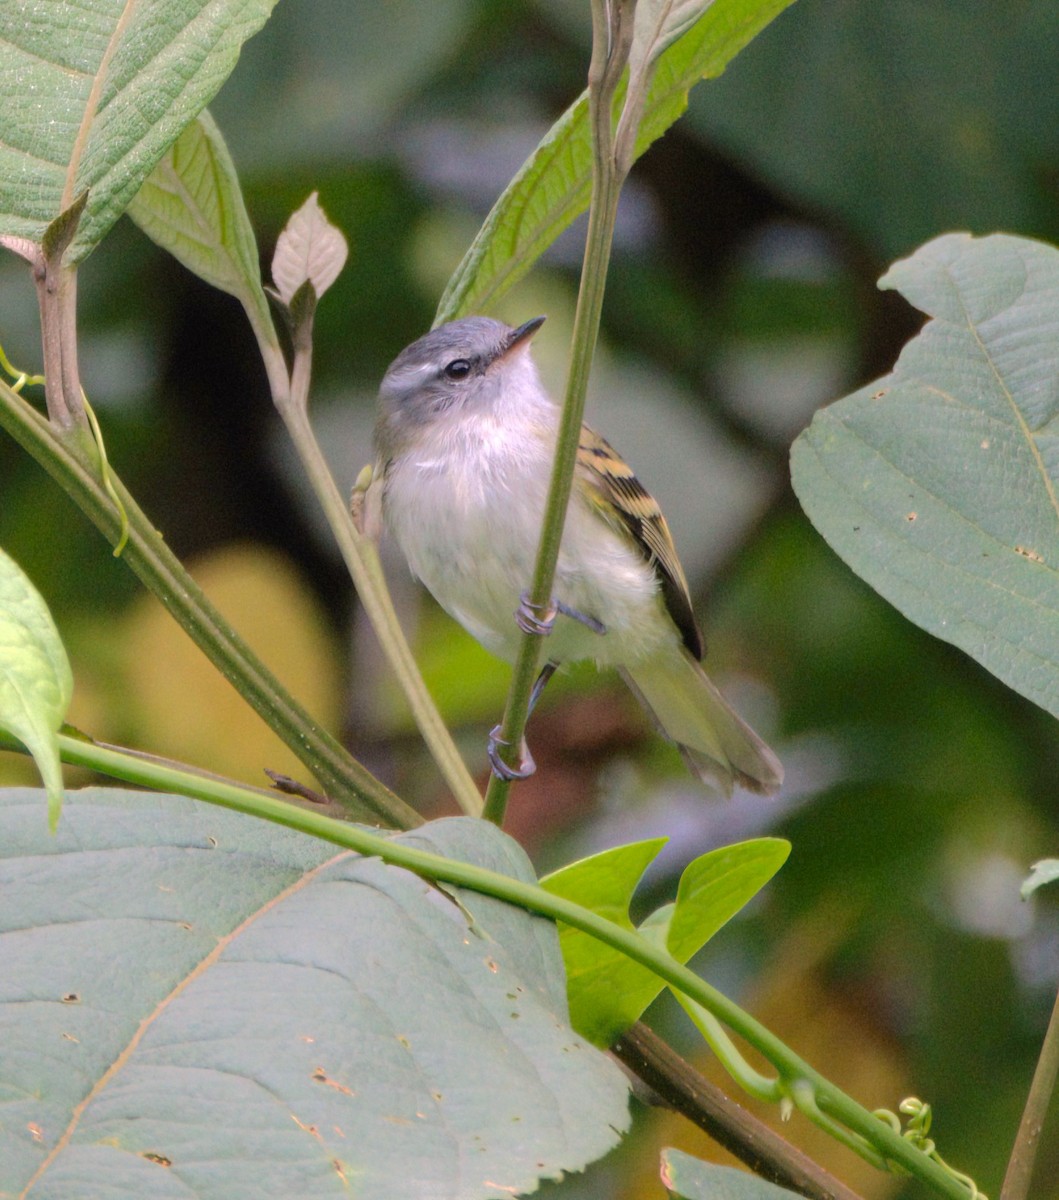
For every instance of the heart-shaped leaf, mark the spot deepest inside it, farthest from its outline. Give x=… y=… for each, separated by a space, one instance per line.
x=198 y=1004
x=609 y=991
x=938 y=484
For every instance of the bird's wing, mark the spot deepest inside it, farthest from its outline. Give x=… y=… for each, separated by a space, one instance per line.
x=622 y=499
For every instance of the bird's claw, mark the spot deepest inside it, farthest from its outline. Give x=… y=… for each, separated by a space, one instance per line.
x=502 y=770
x=535 y=618
x=539 y=618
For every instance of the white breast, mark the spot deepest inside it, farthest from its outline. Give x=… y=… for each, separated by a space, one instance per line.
x=465 y=507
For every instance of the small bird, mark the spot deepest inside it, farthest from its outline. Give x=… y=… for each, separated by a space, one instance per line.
x=465 y=441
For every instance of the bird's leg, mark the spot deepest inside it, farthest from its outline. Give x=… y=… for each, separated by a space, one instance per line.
x=587 y=621
x=547 y=671
x=537 y=619
x=526 y=765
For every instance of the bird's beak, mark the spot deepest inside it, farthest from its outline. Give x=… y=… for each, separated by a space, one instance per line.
x=522 y=334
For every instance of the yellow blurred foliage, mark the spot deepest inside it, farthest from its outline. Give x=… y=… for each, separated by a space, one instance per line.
x=142 y=681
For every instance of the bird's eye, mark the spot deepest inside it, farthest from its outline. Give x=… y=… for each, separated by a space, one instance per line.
x=459 y=368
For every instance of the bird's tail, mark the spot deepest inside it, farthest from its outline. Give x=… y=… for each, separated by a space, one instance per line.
x=715 y=742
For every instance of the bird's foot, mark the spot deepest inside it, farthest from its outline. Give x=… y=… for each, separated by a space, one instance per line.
x=535 y=618
x=539 y=618
x=526 y=765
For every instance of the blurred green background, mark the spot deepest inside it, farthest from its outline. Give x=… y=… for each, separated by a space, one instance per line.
x=893 y=950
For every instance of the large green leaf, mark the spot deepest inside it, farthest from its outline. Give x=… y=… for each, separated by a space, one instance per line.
x=35 y=679
x=607 y=990
x=195 y=1004
x=554 y=185
x=92 y=94
x=688 y=1178
x=938 y=483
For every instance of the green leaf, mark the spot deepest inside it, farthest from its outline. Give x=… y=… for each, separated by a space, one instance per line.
x=607 y=991
x=658 y=24
x=1045 y=871
x=688 y=1178
x=716 y=886
x=91 y=97
x=937 y=484
x=192 y=206
x=198 y=1004
x=553 y=186
x=35 y=679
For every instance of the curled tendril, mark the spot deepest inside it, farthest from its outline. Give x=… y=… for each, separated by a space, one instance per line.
x=920 y=1115
x=21 y=378
x=104 y=468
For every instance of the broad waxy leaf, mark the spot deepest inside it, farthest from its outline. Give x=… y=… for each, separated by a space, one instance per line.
x=198 y=1004
x=35 y=678
x=192 y=206
x=938 y=484
x=553 y=186
x=689 y=1178
x=92 y=95
x=607 y=990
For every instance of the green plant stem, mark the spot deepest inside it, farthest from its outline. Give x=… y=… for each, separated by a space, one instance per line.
x=70 y=460
x=604 y=76
x=1019 y=1174
x=753 y=1142
x=290 y=396
x=889 y=1145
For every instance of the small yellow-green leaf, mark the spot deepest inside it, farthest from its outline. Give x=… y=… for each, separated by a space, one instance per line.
x=35 y=679
x=192 y=206
x=716 y=886
x=607 y=990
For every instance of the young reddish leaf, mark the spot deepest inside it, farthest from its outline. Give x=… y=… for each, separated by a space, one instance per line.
x=310 y=249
